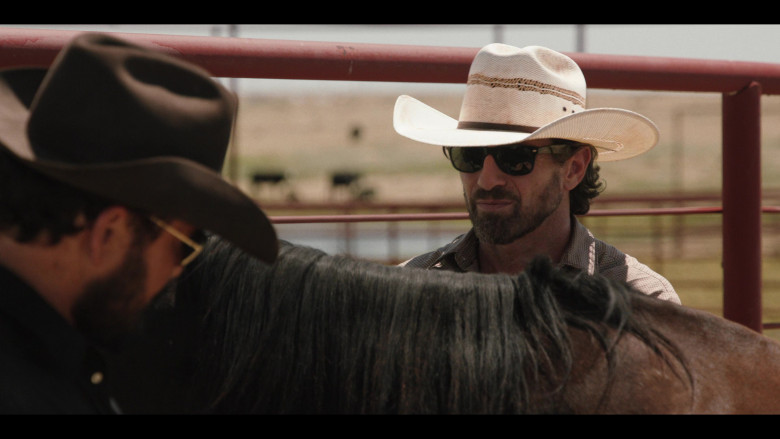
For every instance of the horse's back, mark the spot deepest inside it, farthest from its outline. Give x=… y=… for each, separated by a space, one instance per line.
x=641 y=381
x=734 y=369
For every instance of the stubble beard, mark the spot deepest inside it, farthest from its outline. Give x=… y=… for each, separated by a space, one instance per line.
x=110 y=308
x=499 y=229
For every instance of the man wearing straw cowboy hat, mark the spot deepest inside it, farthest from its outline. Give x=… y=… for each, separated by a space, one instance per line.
x=109 y=167
x=526 y=149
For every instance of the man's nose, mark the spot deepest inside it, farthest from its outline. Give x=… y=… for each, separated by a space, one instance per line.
x=491 y=175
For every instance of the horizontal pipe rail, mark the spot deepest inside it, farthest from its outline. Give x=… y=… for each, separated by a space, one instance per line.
x=284 y=59
x=769 y=196
x=352 y=218
x=392 y=217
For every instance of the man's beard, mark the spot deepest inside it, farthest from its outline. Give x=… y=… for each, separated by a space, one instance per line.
x=495 y=228
x=110 y=308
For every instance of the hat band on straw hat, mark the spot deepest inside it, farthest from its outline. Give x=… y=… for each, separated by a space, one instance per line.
x=523 y=84
x=490 y=126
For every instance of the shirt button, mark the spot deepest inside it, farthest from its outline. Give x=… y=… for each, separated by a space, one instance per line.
x=96 y=378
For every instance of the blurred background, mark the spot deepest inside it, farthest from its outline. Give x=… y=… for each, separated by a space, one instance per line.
x=328 y=147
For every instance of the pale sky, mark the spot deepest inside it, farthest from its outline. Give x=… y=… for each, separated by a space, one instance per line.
x=758 y=43
x=722 y=41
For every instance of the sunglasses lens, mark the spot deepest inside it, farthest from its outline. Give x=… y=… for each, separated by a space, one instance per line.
x=186 y=251
x=199 y=237
x=513 y=160
x=516 y=160
x=467 y=159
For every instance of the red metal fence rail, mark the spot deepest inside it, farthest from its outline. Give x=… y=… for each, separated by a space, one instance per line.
x=741 y=84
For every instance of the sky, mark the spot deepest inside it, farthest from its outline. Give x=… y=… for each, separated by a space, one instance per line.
x=732 y=42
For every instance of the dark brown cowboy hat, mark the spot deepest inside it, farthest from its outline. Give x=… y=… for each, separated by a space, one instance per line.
x=144 y=129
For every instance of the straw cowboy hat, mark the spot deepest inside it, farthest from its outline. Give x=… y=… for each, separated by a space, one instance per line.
x=135 y=126
x=518 y=94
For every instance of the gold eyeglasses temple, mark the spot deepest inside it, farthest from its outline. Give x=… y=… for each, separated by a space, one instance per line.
x=196 y=248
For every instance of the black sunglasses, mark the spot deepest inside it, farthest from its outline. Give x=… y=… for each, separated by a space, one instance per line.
x=512 y=160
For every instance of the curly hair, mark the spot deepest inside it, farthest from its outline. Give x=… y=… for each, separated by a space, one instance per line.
x=590 y=186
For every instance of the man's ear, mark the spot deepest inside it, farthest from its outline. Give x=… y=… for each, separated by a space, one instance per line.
x=110 y=235
x=576 y=167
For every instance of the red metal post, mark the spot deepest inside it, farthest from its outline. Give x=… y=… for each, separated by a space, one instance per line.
x=742 y=206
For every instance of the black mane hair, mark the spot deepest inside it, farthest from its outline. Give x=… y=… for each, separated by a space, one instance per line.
x=315 y=333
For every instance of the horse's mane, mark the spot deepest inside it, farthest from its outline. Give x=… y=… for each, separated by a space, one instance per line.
x=315 y=333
